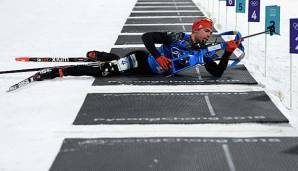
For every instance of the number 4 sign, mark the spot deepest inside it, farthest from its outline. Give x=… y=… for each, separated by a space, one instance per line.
x=294 y=35
x=254 y=10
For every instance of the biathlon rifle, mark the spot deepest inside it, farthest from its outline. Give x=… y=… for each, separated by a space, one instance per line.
x=188 y=59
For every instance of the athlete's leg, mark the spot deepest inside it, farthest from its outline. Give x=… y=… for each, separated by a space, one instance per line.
x=74 y=70
x=140 y=63
x=83 y=70
x=134 y=62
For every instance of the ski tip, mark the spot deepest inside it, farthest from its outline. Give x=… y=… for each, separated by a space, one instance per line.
x=9 y=90
x=12 y=88
x=22 y=59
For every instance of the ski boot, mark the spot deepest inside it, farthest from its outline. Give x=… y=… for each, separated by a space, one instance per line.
x=120 y=65
x=48 y=73
x=109 y=68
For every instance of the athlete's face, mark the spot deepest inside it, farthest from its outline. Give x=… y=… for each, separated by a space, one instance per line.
x=201 y=36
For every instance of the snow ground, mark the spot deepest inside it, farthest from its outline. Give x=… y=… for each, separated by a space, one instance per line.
x=35 y=119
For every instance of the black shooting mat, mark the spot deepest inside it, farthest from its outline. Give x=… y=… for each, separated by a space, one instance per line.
x=161 y=20
x=178 y=154
x=162 y=28
x=123 y=51
x=158 y=28
x=172 y=1
x=236 y=75
x=173 y=8
x=129 y=39
x=178 y=108
x=165 y=8
x=166 y=4
x=137 y=39
x=144 y=14
x=163 y=1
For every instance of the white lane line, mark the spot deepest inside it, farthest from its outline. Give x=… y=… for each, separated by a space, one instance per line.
x=229 y=157
x=170 y=11
x=182 y=6
x=161 y=17
x=158 y=24
x=212 y=113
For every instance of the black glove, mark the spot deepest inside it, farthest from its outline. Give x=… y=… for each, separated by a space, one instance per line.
x=101 y=56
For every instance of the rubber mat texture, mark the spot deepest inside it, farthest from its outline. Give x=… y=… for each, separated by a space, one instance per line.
x=178 y=108
x=161 y=20
x=236 y=75
x=188 y=3
x=178 y=153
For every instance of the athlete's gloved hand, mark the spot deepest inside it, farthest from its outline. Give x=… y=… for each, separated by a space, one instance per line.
x=232 y=45
x=93 y=55
x=164 y=62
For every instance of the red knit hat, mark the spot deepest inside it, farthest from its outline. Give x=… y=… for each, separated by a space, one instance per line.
x=202 y=23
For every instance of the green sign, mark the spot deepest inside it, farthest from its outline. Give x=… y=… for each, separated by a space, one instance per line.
x=273 y=17
x=240 y=6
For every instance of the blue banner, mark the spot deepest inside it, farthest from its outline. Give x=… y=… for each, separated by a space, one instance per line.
x=230 y=3
x=294 y=35
x=240 y=6
x=273 y=17
x=254 y=10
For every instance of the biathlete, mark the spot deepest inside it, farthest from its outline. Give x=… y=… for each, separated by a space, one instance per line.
x=155 y=61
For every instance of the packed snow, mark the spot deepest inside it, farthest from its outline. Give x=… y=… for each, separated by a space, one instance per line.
x=35 y=119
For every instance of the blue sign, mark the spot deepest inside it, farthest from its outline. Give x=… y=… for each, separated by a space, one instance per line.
x=273 y=17
x=254 y=10
x=294 y=35
x=230 y=3
x=240 y=6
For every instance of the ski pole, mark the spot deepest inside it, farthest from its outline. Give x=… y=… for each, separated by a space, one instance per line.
x=53 y=59
x=37 y=69
x=22 y=70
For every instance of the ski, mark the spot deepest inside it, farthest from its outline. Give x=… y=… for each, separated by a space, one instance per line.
x=53 y=59
x=41 y=71
x=22 y=83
